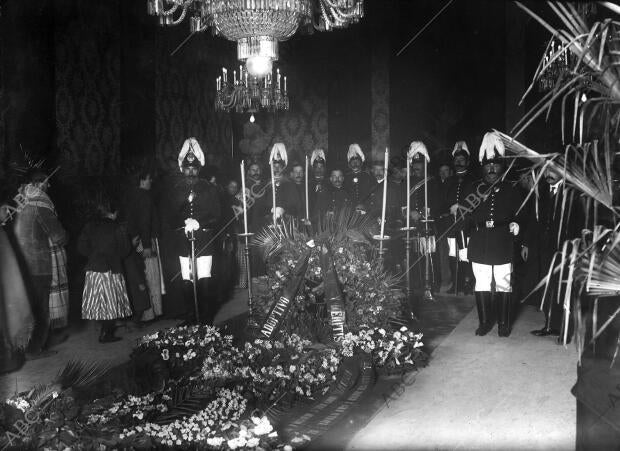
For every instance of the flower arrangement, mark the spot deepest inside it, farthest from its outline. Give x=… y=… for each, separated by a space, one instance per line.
x=370 y=295
x=271 y=369
x=184 y=348
x=391 y=350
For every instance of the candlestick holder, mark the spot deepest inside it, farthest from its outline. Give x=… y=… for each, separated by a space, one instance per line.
x=251 y=317
x=411 y=299
x=382 y=248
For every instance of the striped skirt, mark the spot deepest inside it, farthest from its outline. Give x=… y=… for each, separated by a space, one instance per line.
x=105 y=296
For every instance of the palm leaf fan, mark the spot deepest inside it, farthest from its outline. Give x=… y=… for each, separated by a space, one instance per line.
x=345 y=223
x=271 y=240
x=80 y=374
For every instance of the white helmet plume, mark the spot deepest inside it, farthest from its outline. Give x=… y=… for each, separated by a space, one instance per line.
x=191 y=144
x=417 y=148
x=460 y=146
x=491 y=143
x=278 y=153
x=317 y=154
x=355 y=151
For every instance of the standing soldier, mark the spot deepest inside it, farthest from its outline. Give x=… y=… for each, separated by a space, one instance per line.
x=194 y=206
x=318 y=182
x=457 y=186
x=492 y=224
x=357 y=182
x=334 y=198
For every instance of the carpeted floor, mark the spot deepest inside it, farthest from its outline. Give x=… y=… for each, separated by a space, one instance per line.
x=486 y=393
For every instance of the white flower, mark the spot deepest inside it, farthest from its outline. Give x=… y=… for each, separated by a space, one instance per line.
x=292 y=368
x=253 y=442
x=382 y=332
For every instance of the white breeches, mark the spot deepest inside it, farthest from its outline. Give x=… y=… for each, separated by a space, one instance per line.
x=203 y=265
x=485 y=274
x=452 y=250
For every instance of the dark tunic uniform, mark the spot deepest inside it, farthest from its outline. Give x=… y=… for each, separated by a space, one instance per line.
x=332 y=200
x=175 y=208
x=315 y=186
x=395 y=199
x=458 y=186
x=491 y=242
x=359 y=185
x=286 y=198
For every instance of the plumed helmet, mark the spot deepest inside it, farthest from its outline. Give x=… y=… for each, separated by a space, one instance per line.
x=460 y=148
x=355 y=151
x=491 y=149
x=191 y=154
x=318 y=155
x=278 y=153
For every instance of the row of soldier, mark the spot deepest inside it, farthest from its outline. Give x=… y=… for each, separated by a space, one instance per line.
x=480 y=217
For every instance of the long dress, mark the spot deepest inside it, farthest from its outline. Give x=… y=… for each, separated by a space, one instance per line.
x=16 y=320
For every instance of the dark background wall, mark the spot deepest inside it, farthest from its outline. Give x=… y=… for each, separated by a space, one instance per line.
x=95 y=87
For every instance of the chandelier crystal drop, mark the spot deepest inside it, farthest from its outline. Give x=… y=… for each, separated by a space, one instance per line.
x=249 y=93
x=257 y=25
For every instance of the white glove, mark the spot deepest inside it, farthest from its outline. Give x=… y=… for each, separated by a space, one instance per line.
x=191 y=225
x=279 y=212
x=514 y=228
x=454 y=209
x=463 y=255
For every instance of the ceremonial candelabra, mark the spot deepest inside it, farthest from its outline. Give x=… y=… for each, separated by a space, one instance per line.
x=248 y=93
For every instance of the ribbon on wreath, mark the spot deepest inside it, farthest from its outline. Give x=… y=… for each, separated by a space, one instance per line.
x=333 y=294
x=280 y=309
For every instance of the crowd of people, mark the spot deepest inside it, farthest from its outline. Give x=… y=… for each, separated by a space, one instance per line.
x=175 y=250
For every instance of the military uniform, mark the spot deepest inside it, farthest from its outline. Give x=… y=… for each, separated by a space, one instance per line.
x=359 y=185
x=493 y=209
x=331 y=201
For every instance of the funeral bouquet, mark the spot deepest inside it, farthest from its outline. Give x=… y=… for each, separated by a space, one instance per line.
x=393 y=350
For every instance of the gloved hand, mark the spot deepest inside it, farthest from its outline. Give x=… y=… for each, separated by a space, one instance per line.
x=279 y=212
x=514 y=228
x=191 y=225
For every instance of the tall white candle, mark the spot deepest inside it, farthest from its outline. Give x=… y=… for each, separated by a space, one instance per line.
x=243 y=193
x=307 y=206
x=408 y=191
x=273 y=193
x=285 y=84
x=384 y=194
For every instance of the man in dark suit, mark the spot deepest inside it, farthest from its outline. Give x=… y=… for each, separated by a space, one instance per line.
x=492 y=207
x=545 y=235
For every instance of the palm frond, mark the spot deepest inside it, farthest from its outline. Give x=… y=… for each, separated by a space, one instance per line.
x=80 y=374
x=584 y=168
x=595 y=69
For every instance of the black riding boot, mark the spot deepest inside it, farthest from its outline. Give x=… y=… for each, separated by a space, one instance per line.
x=503 y=323
x=485 y=312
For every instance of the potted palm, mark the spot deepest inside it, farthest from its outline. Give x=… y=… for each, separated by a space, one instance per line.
x=588 y=94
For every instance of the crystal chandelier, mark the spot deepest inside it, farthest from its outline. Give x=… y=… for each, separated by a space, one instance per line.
x=257 y=25
x=566 y=60
x=248 y=93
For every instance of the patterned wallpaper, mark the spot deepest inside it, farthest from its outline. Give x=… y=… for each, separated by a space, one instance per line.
x=304 y=127
x=87 y=70
x=185 y=96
